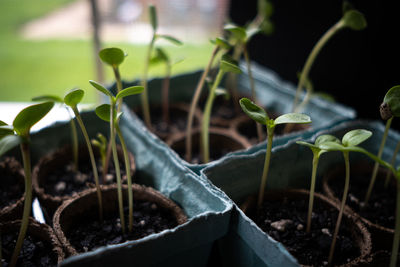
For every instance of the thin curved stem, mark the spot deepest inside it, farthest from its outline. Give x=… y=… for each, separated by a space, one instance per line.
x=119 y=86
x=342 y=205
x=375 y=170
x=270 y=136
x=311 y=58
x=74 y=137
x=92 y=161
x=193 y=106
x=312 y=190
x=116 y=166
x=206 y=118
x=128 y=176
x=27 y=203
x=165 y=93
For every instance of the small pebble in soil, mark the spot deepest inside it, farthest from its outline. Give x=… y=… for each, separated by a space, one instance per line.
x=81 y=177
x=281 y=224
x=326 y=231
x=109 y=178
x=60 y=186
x=300 y=227
x=142 y=223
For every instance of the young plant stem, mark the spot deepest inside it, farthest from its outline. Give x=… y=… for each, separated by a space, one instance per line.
x=375 y=170
x=311 y=58
x=342 y=205
x=92 y=160
x=206 y=118
x=144 y=95
x=253 y=89
x=396 y=238
x=74 y=136
x=312 y=190
x=116 y=165
x=193 y=106
x=165 y=94
x=232 y=78
x=128 y=176
x=393 y=161
x=270 y=136
x=26 y=158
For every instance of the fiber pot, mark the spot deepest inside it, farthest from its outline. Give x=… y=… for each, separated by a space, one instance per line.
x=77 y=210
x=56 y=164
x=11 y=189
x=44 y=250
x=283 y=216
x=379 y=215
x=222 y=142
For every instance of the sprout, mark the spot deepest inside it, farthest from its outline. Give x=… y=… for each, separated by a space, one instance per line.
x=72 y=99
x=101 y=144
x=219 y=45
x=260 y=115
x=226 y=65
x=74 y=134
x=108 y=113
x=317 y=152
x=352 y=19
x=12 y=135
x=155 y=36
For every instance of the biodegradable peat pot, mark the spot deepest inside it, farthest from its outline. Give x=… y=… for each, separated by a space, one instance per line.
x=283 y=216
x=378 y=216
x=41 y=247
x=178 y=113
x=11 y=189
x=222 y=142
x=82 y=209
x=54 y=181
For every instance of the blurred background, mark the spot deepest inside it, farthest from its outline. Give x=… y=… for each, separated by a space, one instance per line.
x=47 y=46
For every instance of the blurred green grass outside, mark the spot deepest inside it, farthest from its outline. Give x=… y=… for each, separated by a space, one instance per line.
x=30 y=68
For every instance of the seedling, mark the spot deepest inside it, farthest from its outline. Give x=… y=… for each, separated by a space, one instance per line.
x=219 y=45
x=350 y=142
x=12 y=135
x=108 y=113
x=260 y=115
x=101 y=144
x=226 y=65
x=161 y=56
x=155 y=36
x=74 y=134
x=389 y=109
x=317 y=152
x=72 y=99
x=352 y=19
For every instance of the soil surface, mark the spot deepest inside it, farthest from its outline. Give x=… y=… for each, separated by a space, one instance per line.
x=382 y=204
x=148 y=218
x=11 y=188
x=285 y=221
x=34 y=252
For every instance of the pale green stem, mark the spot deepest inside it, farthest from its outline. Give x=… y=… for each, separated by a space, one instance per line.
x=119 y=86
x=312 y=189
x=253 y=89
x=375 y=170
x=311 y=58
x=270 y=136
x=128 y=176
x=116 y=166
x=389 y=173
x=193 y=106
x=342 y=206
x=165 y=93
x=206 y=118
x=92 y=160
x=74 y=137
x=144 y=95
x=232 y=78
x=27 y=203
x=396 y=238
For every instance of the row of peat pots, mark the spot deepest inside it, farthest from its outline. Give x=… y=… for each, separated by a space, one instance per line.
x=161 y=235
x=275 y=234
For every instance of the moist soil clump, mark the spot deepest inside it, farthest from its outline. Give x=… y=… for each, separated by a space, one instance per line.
x=381 y=205
x=34 y=252
x=11 y=186
x=148 y=218
x=285 y=221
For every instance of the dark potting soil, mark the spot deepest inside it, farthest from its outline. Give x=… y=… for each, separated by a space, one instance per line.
x=148 y=218
x=285 y=221
x=66 y=182
x=382 y=204
x=11 y=188
x=34 y=252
